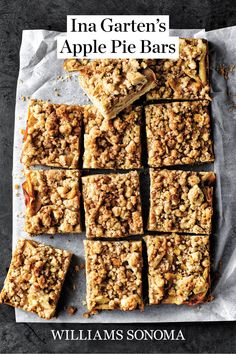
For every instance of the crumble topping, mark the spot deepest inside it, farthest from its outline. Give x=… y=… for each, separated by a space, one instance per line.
x=112 y=205
x=52 y=201
x=53 y=134
x=113 y=84
x=183 y=78
x=113 y=143
x=181 y=201
x=114 y=275
x=178 y=269
x=178 y=133
x=35 y=278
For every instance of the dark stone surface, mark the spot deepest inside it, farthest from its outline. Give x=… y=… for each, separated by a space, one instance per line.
x=14 y=17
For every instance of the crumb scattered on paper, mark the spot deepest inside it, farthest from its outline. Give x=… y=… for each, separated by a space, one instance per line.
x=225 y=70
x=71 y=310
x=90 y=313
x=79 y=267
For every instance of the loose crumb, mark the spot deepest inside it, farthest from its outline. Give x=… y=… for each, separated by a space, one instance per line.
x=225 y=70
x=79 y=267
x=71 y=310
x=16 y=186
x=90 y=313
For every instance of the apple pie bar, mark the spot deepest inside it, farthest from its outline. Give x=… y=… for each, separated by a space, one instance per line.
x=35 y=278
x=52 y=200
x=113 y=84
x=112 y=205
x=181 y=201
x=184 y=78
x=114 y=275
x=53 y=134
x=178 y=269
x=178 y=133
x=112 y=143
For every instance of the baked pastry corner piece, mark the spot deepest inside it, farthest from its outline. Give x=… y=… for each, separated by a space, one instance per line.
x=183 y=78
x=35 y=278
x=114 y=84
x=178 y=269
x=114 y=275
x=181 y=201
x=112 y=205
x=112 y=143
x=178 y=133
x=53 y=135
x=52 y=200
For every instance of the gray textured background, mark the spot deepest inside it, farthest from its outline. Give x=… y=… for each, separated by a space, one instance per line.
x=14 y=17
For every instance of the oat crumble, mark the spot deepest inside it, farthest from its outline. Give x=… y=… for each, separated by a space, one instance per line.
x=114 y=275
x=114 y=84
x=112 y=205
x=112 y=143
x=35 y=278
x=181 y=201
x=178 y=133
x=53 y=135
x=183 y=78
x=52 y=201
x=178 y=269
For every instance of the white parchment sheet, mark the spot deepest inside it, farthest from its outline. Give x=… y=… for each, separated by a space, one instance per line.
x=38 y=78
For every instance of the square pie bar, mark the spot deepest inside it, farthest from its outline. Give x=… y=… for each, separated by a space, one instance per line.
x=181 y=201
x=52 y=201
x=53 y=135
x=178 y=269
x=112 y=143
x=35 y=278
x=114 y=275
x=178 y=133
x=113 y=84
x=112 y=205
x=186 y=77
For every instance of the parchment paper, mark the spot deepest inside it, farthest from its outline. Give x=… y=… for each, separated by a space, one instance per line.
x=39 y=69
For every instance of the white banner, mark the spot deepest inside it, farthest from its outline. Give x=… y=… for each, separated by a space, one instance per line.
x=117 y=37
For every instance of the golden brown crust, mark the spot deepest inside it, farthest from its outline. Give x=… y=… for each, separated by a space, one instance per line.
x=35 y=278
x=181 y=201
x=113 y=143
x=52 y=201
x=53 y=134
x=114 y=84
x=178 y=133
x=178 y=269
x=114 y=275
x=112 y=205
x=186 y=77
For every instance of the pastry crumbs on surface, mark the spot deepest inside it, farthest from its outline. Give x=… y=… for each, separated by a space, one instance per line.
x=71 y=310
x=16 y=186
x=79 y=267
x=225 y=70
x=90 y=313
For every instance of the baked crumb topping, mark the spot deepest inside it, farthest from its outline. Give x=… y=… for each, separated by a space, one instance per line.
x=178 y=133
x=52 y=201
x=112 y=143
x=178 y=269
x=184 y=78
x=114 y=275
x=181 y=201
x=53 y=134
x=112 y=205
x=113 y=84
x=35 y=278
